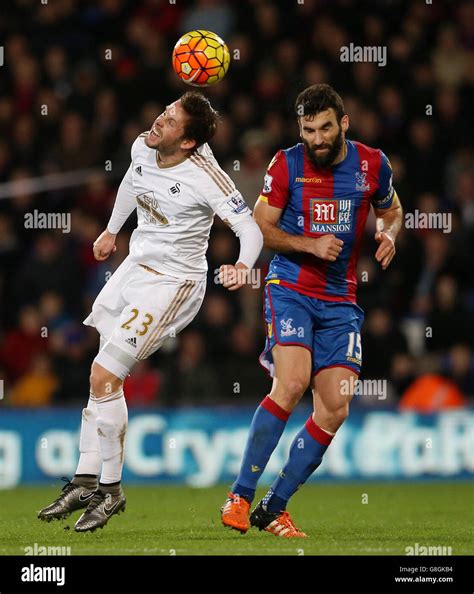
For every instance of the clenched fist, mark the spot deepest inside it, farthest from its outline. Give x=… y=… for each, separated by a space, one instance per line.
x=386 y=249
x=233 y=277
x=326 y=247
x=104 y=245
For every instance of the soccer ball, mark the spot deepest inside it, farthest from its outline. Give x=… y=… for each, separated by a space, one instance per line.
x=201 y=58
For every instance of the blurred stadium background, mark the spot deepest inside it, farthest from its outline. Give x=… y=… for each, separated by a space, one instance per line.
x=81 y=79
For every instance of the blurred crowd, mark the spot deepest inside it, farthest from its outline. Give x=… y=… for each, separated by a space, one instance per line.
x=81 y=80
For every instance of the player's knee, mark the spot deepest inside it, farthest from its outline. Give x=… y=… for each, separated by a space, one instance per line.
x=291 y=391
x=339 y=415
x=103 y=382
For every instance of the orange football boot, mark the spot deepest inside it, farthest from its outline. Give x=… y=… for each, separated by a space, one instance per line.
x=277 y=523
x=235 y=513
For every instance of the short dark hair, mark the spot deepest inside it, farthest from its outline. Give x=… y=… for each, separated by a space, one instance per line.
x=202 y=119
x=317 y=98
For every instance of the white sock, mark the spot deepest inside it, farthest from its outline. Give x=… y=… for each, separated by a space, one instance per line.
x=111 y=428
x=90 y=460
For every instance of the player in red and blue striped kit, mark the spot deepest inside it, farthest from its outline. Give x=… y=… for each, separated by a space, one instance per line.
x=312 y=212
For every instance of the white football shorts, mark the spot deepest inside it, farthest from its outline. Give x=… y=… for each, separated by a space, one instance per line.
x=137 y=310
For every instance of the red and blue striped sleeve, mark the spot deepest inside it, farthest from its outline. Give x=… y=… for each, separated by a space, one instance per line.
x=385 y=193
x=275 y=190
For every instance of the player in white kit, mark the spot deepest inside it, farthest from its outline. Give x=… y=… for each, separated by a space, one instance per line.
x=177 y=187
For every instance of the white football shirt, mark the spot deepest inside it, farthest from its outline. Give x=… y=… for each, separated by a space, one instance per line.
x=175 y=207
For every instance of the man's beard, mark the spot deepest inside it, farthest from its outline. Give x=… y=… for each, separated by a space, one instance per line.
x=326 y=160
x=166 y=148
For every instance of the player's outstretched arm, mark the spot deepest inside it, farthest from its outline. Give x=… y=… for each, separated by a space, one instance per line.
x=125 y=203
x=251 y=242
x=327 y=247
x=388 y=223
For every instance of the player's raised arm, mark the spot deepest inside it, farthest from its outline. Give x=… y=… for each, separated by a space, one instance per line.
x=125 y=203
x=389 y=215
x=250 y=237
x=232 y=209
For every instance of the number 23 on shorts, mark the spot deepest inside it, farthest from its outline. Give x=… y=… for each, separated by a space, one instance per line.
x=145 y=322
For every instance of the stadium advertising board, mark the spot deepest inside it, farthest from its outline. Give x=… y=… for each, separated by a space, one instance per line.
x=202 y=447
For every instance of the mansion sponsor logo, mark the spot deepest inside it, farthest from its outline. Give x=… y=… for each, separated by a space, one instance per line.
x=33 y=573
x=418 y=549
x=429 y=220
x=366 y=53
x=331 y=216
x=48 y=220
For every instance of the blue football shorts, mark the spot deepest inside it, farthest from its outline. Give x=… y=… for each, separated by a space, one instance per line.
x=330 y=330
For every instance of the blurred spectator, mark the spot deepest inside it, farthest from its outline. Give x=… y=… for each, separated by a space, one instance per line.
x=53 y=315
x=71 y=362
x=143 y=386
x=191 y=379
x=449 y=320
x=241 y=376
x=436 y=260
x=8 y=241
x=392 y=116
x=424 y=160
x=248 y=176
x=382 y=341
x=217 y=323
x=211 y=15
x=21 y=345
x=37 y=386
x=449 y=116
x=222 y=248
x=48 y=267
x=449 y=58
x=432 y=393
x=463 y=194
x=459 y=365
x=402 y=372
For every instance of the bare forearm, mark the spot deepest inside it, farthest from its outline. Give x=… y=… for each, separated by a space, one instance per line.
x=388 y=225
x=392 y=221
x=280 y=241
x=327 y=247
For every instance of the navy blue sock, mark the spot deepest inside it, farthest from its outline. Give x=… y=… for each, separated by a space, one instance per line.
x=306 y=454
x=268 y=424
